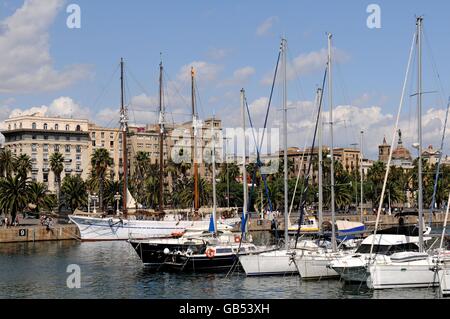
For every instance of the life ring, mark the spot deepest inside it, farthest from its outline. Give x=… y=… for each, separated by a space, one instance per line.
x=210 y=252
x=237 y=239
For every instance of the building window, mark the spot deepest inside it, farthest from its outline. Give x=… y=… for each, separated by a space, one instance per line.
x=56 y=148
x=33 y=147
x=33 y=137
x=103 y=134
x=78 y=149
x=93 y=134
x=20 y=125
x=45 y=148
x=57 y=137
x=93 y=143
x=15 y=125
x=45 y=126
x=9 y=126
x=33 y=126
x=45 y=178
x=78 y=157
x=111 y=144
x=67 y=127
x=78 y=128
x=56 y=127
x=67 y=138
x=67 y=148
x=45 y=137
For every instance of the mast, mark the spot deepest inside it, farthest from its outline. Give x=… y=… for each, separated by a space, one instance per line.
x=320 y=137
x=214 y=176
x=361 y=172
x=161 y=139
x=286 y=199
x=124 y=129
x=244 y=162
x=330 y=96
x=194 y=136
x=419 y=128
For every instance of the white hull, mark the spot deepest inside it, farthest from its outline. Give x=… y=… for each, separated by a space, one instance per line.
x=269 y=263
x=444 y=281
x=99 y=229
x=414 y=274
x=315 y=265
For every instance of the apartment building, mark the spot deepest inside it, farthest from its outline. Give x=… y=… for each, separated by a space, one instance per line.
x=39 y=137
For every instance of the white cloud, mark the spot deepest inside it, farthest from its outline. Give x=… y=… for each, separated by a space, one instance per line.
x=25 y=51
x=62 y=106
x=205 y=71
x=217 y=53
x=240 y=76
x=308 y=63
x=264 y=28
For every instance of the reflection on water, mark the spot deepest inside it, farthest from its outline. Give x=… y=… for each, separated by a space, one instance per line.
x=113 y=270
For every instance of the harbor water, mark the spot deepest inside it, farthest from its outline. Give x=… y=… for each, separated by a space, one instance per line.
x=113 y=270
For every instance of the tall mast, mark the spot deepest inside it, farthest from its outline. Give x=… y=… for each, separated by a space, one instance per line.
x=244 y=161
x=124 y=129
x=330 y=96
x=161 y=139
x=361 y=172
x=214 y=176
x=194 y=136
x=286 y=199
x=419 y=128
x=320 y=137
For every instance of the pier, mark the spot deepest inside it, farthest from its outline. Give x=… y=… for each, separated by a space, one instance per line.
x=38 y=233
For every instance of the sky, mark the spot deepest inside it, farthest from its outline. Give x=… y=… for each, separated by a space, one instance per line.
x=50 y=68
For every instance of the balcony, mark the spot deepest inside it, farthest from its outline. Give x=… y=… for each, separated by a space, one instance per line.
x=68 y=170
x=46 y=170
x=79 y=170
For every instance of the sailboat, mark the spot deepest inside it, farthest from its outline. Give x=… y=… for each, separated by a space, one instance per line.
x=442 y=259
x=409 y=269
x=220 y=251
x=314 y=264
x=93 y=228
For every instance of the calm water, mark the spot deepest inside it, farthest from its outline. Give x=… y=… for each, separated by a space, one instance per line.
x=113 y=270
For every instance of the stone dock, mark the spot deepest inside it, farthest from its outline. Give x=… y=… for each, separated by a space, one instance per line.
x=38 y=233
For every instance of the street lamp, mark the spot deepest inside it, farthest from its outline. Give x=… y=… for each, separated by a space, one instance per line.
x=117 y=198
x=95 y=199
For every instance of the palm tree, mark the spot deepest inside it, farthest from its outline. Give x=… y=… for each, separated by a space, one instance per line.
x=74 y=192
x=7 y=160
x=100 y=161
x=23 y=165
x=57 y=166
x=39 y=197
x=15 y=191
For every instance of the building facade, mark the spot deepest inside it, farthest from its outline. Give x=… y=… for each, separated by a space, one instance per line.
x=39 y=137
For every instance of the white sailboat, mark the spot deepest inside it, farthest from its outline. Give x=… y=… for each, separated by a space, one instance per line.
x=93 y=228
x=409 y=269
x=314 y=264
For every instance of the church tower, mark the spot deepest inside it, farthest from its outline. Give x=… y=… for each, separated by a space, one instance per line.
x=384 y=150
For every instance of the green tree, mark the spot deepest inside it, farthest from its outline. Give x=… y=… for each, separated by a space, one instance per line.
x=15 y=192
x=7 y=161
x=23 y=165
x=74 y=192
x=40 y=197
x=57 y=166
x=100 y=161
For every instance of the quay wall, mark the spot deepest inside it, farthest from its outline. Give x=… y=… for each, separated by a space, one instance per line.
x=38 y=233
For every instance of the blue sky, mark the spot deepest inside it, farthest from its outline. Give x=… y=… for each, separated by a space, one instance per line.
x=222 y=39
